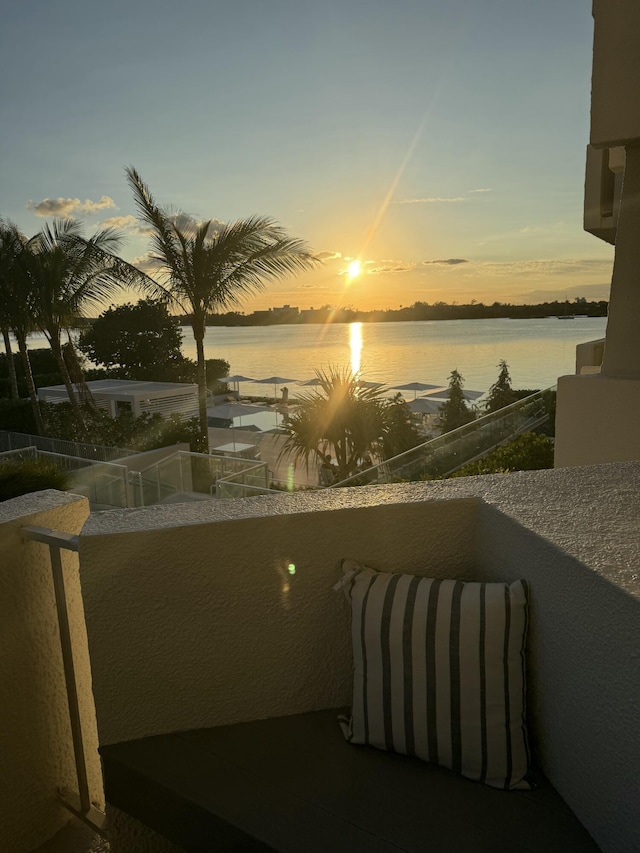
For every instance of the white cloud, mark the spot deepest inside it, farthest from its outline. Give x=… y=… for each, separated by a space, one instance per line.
x=482 y=190
x=146 y=264
x=69 y=206
x=329 y=256
x=124 y=223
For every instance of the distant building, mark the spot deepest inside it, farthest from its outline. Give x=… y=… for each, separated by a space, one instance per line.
x=278 y=314
x=127 y=395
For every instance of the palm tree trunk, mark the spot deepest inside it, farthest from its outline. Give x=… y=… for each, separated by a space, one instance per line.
x=198 y=327
x=54 y=343
x=11 y=365
x=76 y=373
x=76 y=408
x=31 y=386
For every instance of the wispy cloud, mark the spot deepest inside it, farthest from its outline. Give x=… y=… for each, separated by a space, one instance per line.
x=482 y=190
x=330 y=256
x=391 y=267
x=448 y=262
x=544 y=228
x=535 y=269
x=430 y=200
x=69 y=206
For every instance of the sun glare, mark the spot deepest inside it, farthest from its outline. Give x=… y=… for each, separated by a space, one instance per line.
x=355 y=345
x=353 y=269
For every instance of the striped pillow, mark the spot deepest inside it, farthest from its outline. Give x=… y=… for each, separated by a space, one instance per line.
x=439 y=672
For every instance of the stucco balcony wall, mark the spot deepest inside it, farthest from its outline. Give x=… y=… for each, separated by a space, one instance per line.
x=35 y=738
x=597 y=420
x=195 y=619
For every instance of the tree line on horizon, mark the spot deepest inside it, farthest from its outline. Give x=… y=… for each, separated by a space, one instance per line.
x=419 y=311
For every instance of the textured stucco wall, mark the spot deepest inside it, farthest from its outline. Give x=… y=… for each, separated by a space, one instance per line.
x=35 y=740
x=597 y=420
x=194 y=625
x=191 y=623
x=584 y=667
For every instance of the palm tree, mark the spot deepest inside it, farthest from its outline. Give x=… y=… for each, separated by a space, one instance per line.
x=70 y=274
x=17 y=308
x=206 y=266
x=342 y=415
x=11 y=245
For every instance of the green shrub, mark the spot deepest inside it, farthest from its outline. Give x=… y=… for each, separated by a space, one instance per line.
x=529 y=452
x=31 y=475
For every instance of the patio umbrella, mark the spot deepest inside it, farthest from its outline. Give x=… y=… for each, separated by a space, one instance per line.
x=443 y=395
x=314 y=382
x=418 y=386
x=229 y=411
x=365 y=384
x=236 y=379
x=424 y=407
x=274 y=380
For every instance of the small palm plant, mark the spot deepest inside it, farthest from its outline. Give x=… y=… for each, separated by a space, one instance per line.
x=343 y=417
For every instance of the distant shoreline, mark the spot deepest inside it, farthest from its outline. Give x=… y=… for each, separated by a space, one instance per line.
x=419 y=312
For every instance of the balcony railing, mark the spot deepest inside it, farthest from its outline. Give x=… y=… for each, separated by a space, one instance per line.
x=103 y=483
x=94 y=452
x=446 y=453
x=193 y=476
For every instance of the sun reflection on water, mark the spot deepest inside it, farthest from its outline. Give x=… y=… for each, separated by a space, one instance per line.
x=355 y=345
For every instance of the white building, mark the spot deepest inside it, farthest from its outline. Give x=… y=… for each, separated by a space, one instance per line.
x=119 y=395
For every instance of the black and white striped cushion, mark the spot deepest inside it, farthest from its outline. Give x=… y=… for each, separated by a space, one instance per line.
x=439 y=672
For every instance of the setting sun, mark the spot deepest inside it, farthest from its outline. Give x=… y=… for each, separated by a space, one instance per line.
x=353 y=269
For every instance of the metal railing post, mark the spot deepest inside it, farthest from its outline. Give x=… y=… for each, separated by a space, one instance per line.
x=56 y=540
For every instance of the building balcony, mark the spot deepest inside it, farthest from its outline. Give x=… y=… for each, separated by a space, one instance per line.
x=203 y=615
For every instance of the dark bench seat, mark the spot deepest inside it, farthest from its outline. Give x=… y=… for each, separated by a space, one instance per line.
x=294 y=784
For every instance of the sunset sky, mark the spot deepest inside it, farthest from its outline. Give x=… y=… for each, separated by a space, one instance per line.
x=441 y=144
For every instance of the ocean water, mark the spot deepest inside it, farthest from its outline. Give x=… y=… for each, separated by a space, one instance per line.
x=537 y=351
